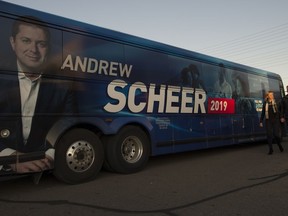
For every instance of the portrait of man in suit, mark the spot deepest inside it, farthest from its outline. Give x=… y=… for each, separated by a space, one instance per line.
x=31 y=100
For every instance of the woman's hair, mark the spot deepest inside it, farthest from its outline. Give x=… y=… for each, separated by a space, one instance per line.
x=32 y=21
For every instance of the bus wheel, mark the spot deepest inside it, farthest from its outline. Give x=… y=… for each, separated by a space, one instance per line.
x=128 y=151
x=79 y=156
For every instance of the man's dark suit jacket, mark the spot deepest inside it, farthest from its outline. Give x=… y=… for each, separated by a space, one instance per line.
x=55 y=100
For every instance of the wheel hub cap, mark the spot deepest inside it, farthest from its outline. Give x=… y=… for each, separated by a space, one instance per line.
x=80 y=156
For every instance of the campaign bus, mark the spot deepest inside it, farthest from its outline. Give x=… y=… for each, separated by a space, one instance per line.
x=75 y=98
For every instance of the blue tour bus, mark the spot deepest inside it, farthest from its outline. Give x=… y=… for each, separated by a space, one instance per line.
x=76 y=97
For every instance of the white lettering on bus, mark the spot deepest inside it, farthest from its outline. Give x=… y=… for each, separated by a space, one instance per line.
x=153 y=97
x=170 y=99
x=92 y=65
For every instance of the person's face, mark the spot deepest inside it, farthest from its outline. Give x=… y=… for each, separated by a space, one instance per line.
x=30 y=46
x=270 y=96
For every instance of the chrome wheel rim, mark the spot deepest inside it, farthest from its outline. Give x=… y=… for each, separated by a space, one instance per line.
x=80 y=156
x=132 y=149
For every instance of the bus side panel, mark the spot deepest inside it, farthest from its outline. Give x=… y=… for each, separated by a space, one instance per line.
x=192 y=101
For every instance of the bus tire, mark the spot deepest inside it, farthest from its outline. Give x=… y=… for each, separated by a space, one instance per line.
x=79 y=156
x=128 y=151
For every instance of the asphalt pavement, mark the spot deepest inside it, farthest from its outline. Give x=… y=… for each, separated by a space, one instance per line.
x=234 y=180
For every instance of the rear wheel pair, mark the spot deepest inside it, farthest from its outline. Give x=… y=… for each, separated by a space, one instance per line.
x=79 y=154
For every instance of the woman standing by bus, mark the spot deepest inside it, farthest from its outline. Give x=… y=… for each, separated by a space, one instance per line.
x=272 y=116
